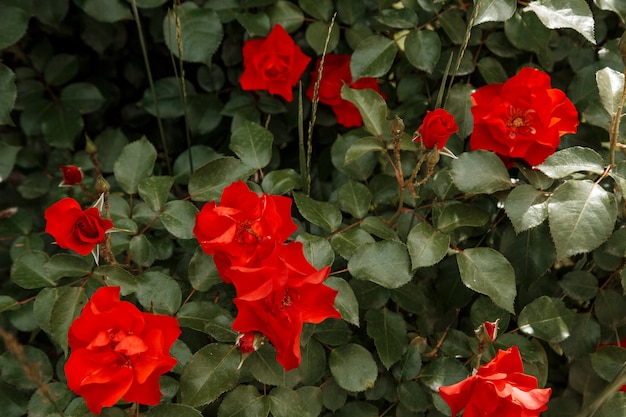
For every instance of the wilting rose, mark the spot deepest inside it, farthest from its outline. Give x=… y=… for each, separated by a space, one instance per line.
x=72 y=175
x=274 y=64
x=437 y=127
x=74 y=228
x=118 y=352
x=524 y=118
x=243 y=225
x=279 y=315
x=499 y=388
x=335 y=74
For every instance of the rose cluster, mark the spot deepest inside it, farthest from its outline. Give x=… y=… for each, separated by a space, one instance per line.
x=277 y=288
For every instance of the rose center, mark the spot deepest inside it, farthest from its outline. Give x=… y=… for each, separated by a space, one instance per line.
x=286 y=302
x=521 y=122
x=245 y=234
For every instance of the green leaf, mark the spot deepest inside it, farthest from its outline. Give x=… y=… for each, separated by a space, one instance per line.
x=581 y=215
x=154 y=191
x=82 y=97
x=320 y=213
x=107 y=11
x=313 y=365
x=28 y=271
x=46 y=400
x=422 y=49
x=256 y=24
x=12 y=371
x=347 y=242
x=492 y=70
x=610 y=308
x=526 y=32
x=202 y=272
x=253 y=144
x=60 y=126
x=65 y=309
x=570 y=160
x=65 y=265
x=114 y=275
x=385 y=263
x=286 y=14
x=316 y=34
x=212 y=370
x=168 y=410
x=443 y=371
x=494 y=10
x=141 y=250
x=200 y=32
x=388 y=330
x=361 y=147
x=317 y=250
x=158 y=292
x=373 y=57
x=488 y=272
x=579 y=285
x=244 y=401
x=379 y=227
x=584 y=336
x=353 y=367
x=607 y=361
x=412 y=396
x=410 y=365
x=208 y=318
x=547 y=319
x=8 y=94
x=459 y=104
x=354 y=198
x=371 y=105
x=281 y=181
x=169 y=97
x=526 y=207
x=558 y=14
x=14 y=22
x=480 y=172
x=610 y=86
x=208 y=182
x=319 y=9
x=454 y=26
x=616 y=6
x=427 y=246
x=135 y=163
x=285 y=402
x=179 y=218
x=8 y=156
x=530 y=252
x=454 y=216
x=264 y=367
x=345 y=301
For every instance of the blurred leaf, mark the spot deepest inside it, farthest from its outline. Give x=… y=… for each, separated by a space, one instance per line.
x=526 y=207
x=584 y=336
x=494 y=10
x=316 y=34
x=526 y=32
x=158 y=292
x=610 y=308
x=581 y=215
x=388 y=330
x=422 y=49
x=454 y=26
x=211 y=371
x=257 y=24
x=28 y=271
x=155 y=190
x=202 y=271
x=286 y=14
x=354 y=198
x=8 y=94
x=607 y=361
x=8 y=155
x=570 y=160
x=373 y=57
x=579 y=285
x=141 y=250
x=14 y=22
x=285 y=402
x=207 y=182
x=317 y=250
x=200 y=32
x=82 y=97
x=61 y=68
x=480 y=172
x=531 y=253
x=65 y=265
x=350 y=11
x=427 y=246
x=353 y=367
x=319 y=9
x=168 y=410
x=345 y=302
x=253 y=144
x=135 y=163
x=573 y=14
x=362 y=146
x=492 y=70
x=264 y=367
x=281 y=181
x=547 y=319
x=412 y=396
x=371 y=105
x=179 y=218
x=488 y=272
x=610 y=86
x=459 y=103
x=410 y=366
x=107 y=11
x=385 y=263
x=42 y=307
x=61 y=126
x=110 y=144
x=320 y=213
x=312 y=399
x=12 y=371
x=168 y=96
x=402 y=18
x=200 y=155
x=65 y=309
x=360 y=169
x=244 y=401
x=312 y=367
x=208 y=318
x=46 y=400
x=616 y=6
x=443 y=371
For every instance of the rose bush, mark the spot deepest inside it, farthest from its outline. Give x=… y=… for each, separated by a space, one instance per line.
x=349 y=256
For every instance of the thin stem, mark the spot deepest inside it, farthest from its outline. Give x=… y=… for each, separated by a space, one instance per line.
x=615 y=126
x=603 y=396
x=144 y=52
x=301 y=153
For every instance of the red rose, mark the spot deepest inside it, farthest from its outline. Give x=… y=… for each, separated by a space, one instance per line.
x=499 y=388
x=118 y=352
x=243 y=225
x=279 y=314
x=436 y=128
x=335 y=74
x=274 y=64
x=72 y=175
x=523 y=118
x=74 y=228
